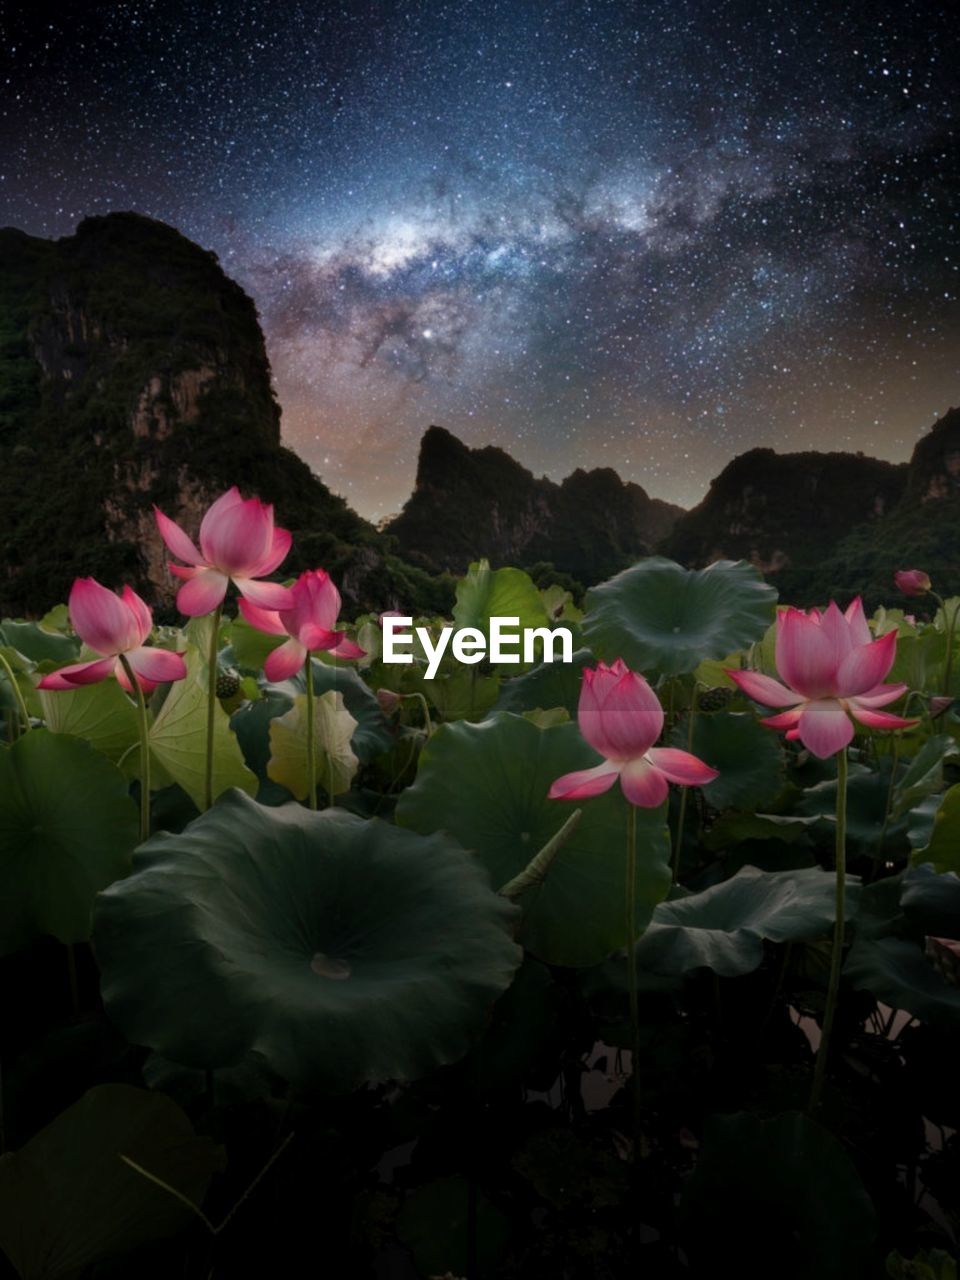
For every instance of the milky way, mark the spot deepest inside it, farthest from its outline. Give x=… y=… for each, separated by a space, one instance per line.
x=648 y=235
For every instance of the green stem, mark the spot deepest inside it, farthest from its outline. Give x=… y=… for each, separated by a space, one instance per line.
x=836 y=957
x=214 y=1228
x=891 y=789
x=535 y=872
x=951 y=627
x=144 y=748
x=17 y=693
x=631 y=921
x=211 y=704
x=950 y=633
x=682 y=814
x=330 y=753
x=427 y=722
x=778 y=989
x=311 y=735
x=888 y=808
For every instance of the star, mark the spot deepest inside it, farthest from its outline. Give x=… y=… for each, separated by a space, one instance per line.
x=559 y=229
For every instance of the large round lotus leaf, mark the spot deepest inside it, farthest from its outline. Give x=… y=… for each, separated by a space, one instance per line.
x=372 y=734
x=880 y=912
x=339 y=949
x=178 y=735
x=748 y=757
x=251 y=723
x=486 y=784
x=896 y=972
x=22 y=669
x=101 y=714
x=734 y=829
x=923 y=775
x=868 y=793
x=932 y=901
x=67 y=829
x=335 y=764
x=550 y=684
x=920 y=823
x=37 y=643
x=461 y=694
x=723 y=927
x=484 y=593
x=920 y=662
x=658 y=616
x=777 y=1198
x=943 y=847
x=248 y=647
x=68 y=1200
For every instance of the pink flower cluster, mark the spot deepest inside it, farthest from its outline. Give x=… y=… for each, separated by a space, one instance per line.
x=239 y=543
x=832 y=672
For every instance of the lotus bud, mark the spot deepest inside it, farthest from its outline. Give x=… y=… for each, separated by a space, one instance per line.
x=388 y=701
x=912 y=582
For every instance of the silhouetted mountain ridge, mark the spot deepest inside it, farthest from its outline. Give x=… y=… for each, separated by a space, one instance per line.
x=780 y=510
x=834 y=524
x=468 y=503
x=133 y=371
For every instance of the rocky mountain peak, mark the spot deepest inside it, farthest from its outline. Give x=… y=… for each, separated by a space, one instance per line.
x=935 y=464
x=471 y=502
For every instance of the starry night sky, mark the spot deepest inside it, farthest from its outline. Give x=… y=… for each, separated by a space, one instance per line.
x=643 y=235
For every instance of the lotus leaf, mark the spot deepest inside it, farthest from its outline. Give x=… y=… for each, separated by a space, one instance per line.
x=340 y=950
x=660 y=617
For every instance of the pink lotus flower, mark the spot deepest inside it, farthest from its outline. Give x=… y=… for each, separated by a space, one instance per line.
x=110 y=625
x=912 y=582
x=834 y=669
x=309 y=623
x=621 y=717
x=238 y=543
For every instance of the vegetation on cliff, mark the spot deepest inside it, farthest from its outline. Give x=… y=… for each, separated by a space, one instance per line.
x=133 y=371
x=785 y=511
x=481 y=502
x=833 y=524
